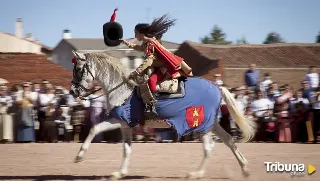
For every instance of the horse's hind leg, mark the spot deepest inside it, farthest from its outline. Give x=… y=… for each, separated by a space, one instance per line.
x=99 y=128
x=127 y=150
x=227 y=140
x=208 y=144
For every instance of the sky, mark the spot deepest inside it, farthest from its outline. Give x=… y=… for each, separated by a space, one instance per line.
x=294 y=20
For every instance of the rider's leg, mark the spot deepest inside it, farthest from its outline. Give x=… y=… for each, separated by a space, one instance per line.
x=152 y=82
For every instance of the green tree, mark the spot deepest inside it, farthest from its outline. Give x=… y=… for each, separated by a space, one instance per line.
x=217 y=36
x=243 y=40
x=273 y=37
x=318 y=38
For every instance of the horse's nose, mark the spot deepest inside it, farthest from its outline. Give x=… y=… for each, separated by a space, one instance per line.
x=71 y=92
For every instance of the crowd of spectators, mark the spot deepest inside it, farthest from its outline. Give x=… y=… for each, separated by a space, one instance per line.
x=282 y=113
x=40 y=112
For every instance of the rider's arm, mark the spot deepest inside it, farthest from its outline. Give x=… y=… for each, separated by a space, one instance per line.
x=139 y=48
x=149 y=58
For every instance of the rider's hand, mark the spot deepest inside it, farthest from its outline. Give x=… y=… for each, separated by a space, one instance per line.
x=124 y=42
x=133 y=74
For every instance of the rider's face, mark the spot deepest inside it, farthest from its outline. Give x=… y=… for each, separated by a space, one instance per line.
x=138 y=35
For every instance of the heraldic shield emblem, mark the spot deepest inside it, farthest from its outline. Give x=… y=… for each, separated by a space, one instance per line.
x=195 y=116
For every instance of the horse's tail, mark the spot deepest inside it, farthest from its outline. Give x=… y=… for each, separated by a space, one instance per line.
x=247 y=126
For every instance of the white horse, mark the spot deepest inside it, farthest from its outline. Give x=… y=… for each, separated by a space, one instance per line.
x=112 y=76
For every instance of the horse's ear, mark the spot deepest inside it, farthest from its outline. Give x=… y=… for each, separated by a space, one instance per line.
x=75 y=53
x=79 y=55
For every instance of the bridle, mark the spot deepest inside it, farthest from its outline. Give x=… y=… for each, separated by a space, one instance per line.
x=81 y=87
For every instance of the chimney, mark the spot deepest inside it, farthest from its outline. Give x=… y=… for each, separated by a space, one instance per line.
x=67 y=34
x=19 y=28
x=29 y=36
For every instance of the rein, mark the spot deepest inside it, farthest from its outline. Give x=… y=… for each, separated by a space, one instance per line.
x=113 y=89
x=77 y=85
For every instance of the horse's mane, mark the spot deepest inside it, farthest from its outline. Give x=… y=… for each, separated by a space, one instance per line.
x=107 y=61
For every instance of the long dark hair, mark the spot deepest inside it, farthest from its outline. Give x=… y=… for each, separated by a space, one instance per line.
x=157 y=28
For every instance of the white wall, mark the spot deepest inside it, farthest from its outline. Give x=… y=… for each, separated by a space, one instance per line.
x=10 y=43
x=131 y=64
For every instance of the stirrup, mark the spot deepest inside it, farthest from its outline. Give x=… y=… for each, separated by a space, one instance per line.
x=150 y=109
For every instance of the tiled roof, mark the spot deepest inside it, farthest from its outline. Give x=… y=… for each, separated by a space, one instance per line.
x=283 y=55
x=20 y=67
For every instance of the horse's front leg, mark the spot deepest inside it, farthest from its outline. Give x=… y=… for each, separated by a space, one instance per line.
x=127 y=150
x=99 y=128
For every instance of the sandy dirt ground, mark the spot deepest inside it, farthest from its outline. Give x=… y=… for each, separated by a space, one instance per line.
x=150 y=161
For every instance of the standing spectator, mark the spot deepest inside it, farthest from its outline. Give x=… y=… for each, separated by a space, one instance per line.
x=265 y=84
x=299 y=111
x=275 y=88
x=312 y=77
x=306 y=90
x=241 y=97
x=260 y=108
x=45 y=99
x=316 y=113
x=252 y=77
x=217 y=80
x=298 y=99
x=271 y=95
x=24 y=119
x=35 y=96
x=6 y=123
x=261 y=105
x=97 y=110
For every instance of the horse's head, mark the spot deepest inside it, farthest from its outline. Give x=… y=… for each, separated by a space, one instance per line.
x=83 y=75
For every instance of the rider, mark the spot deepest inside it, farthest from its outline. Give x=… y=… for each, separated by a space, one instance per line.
x=164 y=64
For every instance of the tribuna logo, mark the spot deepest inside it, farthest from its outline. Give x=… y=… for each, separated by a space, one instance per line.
x=293 y=169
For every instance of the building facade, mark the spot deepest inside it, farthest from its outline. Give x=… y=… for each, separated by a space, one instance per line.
x=18 y=43
x=62 y=53
x=287 y=63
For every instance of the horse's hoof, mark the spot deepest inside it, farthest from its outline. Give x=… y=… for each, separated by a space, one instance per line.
x=78 y=159
x=245 y=171
x=118 y=175
x=195 y=175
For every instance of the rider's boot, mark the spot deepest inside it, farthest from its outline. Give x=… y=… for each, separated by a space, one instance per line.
x=150 y=108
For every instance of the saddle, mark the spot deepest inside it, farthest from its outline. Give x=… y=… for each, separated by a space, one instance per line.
x=167 y=89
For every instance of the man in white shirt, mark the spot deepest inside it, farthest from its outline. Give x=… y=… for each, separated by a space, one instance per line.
x=312 y=77
x=261 y=105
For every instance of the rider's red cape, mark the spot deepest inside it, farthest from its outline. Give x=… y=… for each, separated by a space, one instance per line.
x=171 y=61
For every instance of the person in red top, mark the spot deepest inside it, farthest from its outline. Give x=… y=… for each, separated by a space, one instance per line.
x=163 y=63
